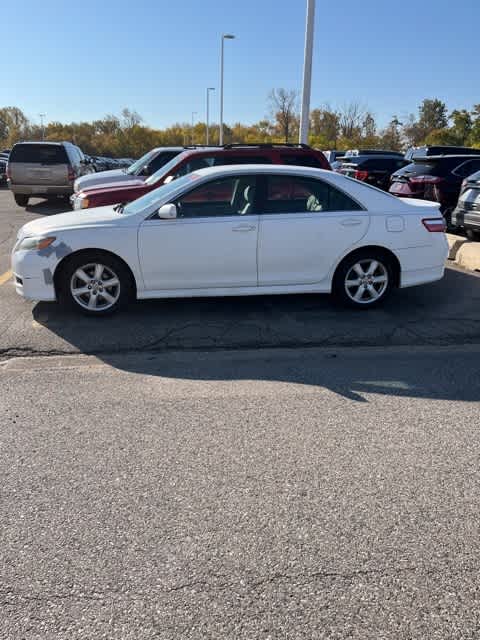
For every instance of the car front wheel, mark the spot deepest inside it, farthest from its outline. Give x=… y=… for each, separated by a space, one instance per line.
x=363 y=280
x=95 y=284
x=21 y=200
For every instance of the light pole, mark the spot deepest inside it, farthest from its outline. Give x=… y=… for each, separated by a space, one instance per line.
x=207 y=137
x=225 y=36
x=42 y=116
x=307 y=73
x=194 y=113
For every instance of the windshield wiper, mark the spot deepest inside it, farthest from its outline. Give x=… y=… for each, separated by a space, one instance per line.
x=118 y=208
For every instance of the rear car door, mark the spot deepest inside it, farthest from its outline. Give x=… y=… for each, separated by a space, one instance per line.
x=211 y=244
x=305 y=226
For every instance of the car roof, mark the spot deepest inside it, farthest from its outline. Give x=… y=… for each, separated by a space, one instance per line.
x=445 y=156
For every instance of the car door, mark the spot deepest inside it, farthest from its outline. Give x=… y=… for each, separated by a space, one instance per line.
x=305 y=226
x=211 y=244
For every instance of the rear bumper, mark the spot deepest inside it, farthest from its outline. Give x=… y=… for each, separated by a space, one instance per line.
x=40 y=190
x=467 y=218
x=421 y=276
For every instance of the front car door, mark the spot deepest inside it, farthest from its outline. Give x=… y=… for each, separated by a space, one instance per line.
x=211 y=244
x=305 y=226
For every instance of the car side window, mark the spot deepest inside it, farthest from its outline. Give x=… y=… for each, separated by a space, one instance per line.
x=159 y=161
x=301 y=159
x=287 y=194
x=230 y=196
x=194 y=165
x=467 y=168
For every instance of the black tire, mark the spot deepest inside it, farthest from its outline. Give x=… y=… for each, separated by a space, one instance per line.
x=447 y=216
x=345 y=295
x=113 y=268
x=472 y=234
x=21 y=200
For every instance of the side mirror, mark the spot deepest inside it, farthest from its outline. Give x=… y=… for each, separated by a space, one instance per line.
x=167 y=212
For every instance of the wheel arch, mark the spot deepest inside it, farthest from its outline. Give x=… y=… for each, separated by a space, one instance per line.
x=380 y=251
x=65 y=260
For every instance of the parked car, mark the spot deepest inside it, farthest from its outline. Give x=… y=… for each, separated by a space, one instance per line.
x=466 y=215
x=372 y=152
x=136 y=172
x=44 y=169
x=436 y=178
x=194 y=159
x=375 y=170
x=234 y=230
x=334 y=156
x=437 y=150
x=3 y=171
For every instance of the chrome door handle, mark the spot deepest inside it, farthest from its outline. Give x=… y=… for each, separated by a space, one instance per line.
x=352 y=222
x=244 y=227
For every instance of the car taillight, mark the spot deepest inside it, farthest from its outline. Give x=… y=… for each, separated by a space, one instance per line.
x=360 y=175
x=71 y=174
x=434 y=225
x=426 y=179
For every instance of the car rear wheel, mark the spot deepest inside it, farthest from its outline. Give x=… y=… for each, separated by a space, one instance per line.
x=95 y=284
x=363 y=280
x=21 y=200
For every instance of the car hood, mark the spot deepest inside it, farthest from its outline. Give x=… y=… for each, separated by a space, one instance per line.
x=113 y=186
x=100 y=216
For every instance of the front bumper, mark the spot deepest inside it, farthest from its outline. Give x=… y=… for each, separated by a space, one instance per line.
x=33 y=275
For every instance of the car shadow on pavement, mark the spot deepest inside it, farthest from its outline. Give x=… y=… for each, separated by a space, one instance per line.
x=142 y=338
x=48 y=207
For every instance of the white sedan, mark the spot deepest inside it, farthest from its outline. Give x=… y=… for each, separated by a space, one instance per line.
x=234 y=230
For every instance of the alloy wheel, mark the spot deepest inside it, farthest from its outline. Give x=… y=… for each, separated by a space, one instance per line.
x=95 y=287
x=366 y=281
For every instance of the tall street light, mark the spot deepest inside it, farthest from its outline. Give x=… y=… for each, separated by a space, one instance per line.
x=207 y=137
x=194 y=113
x=307 y=73
x=225 y=36
x=42 y=116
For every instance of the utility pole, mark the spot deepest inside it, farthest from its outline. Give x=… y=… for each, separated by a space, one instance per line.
x=194 y=113
x=207 y=137
x=225 y=36
x=307 y=73
x=42 y=116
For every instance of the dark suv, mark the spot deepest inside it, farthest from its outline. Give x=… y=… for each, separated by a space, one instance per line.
x=439 y=149
x=373 y=170
x=437 y=178
x=467 y=212
x=200 y=158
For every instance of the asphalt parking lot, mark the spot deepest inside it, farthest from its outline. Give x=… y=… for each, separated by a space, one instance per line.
x=446 y=313
x=239 y=469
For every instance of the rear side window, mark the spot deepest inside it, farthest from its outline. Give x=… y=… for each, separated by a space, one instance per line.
x=39 y=154
x=432 y=168
x=304 y=195
x=301 y=160
x=467 y=168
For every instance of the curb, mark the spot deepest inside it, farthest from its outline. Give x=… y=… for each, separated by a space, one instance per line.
x=463 y=252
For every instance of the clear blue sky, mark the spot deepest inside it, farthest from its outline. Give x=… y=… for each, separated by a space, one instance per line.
x=80 y=59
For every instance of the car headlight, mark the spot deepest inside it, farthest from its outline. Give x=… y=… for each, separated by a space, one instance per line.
x=34 y=243
x=81 y=202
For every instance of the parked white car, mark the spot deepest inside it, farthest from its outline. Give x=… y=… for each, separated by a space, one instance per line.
x=136 y=172
x=234 y=230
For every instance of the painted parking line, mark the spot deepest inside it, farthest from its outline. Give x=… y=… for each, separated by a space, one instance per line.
x=5 y=277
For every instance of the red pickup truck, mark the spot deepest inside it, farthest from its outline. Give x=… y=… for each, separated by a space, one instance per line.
x=194 y=159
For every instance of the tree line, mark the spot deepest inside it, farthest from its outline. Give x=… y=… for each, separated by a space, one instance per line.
x=349 y=126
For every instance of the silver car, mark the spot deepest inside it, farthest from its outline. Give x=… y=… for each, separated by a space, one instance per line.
x=44 y=169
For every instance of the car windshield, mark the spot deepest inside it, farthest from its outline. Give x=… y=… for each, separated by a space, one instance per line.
x=163 y=171
x=157 y=195
x=135 y=168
